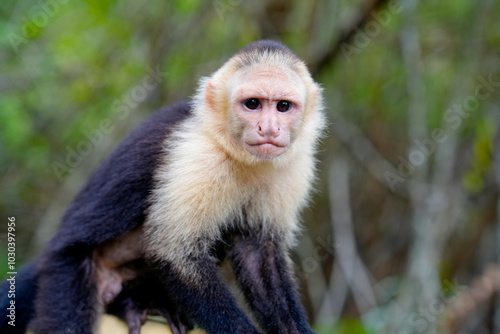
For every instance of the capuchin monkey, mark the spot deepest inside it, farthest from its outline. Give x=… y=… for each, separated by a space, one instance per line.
x=223 y=176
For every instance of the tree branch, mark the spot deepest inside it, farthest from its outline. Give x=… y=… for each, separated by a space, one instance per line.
x=347 y=34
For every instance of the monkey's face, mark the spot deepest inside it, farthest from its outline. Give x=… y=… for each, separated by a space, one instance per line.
x=267 y=105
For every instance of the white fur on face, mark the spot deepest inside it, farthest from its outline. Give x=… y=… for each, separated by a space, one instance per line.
x=210 y=180
x=265 y=132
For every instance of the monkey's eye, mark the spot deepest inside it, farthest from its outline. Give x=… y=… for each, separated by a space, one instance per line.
x=283 y=106
x=252 y=103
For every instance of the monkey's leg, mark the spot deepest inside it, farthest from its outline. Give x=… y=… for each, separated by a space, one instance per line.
x=206 y=299
x=260 y=266
x=66 y=299
x=147 y=295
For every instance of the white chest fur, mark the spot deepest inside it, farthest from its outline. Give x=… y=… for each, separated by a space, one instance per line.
x=200 y=191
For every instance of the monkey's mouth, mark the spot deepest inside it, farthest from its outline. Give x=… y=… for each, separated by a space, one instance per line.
x=266 y=144
x=266 y=150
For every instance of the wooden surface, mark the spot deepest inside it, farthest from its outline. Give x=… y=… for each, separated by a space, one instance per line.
x=113 y=325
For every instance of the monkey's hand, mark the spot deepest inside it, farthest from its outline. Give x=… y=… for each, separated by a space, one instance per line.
x=178 y=322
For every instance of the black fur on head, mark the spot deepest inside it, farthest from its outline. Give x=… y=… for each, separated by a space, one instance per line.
x=266 y=46
x=265 y=51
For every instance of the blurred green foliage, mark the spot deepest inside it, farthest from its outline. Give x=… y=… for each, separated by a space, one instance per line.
x=66 y=66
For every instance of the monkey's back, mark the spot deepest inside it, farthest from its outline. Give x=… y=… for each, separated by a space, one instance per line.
x=114 y=199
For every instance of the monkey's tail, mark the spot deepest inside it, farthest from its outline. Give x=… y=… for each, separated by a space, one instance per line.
x=17 y=300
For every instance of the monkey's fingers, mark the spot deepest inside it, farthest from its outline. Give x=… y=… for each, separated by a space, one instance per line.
x=135 y=318
x=176 y=326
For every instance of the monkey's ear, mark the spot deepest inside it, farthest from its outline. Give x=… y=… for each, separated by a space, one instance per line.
x=210 y=95
x=314 y=96
x=316 y=90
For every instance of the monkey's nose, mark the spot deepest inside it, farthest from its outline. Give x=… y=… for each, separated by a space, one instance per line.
x=269 y=127
x=269 y=131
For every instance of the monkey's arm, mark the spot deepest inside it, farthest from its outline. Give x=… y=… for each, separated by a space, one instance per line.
x=206 y=299
x=260 y=266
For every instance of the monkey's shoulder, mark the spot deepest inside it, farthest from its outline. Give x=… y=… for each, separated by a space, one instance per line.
x=119 y=188
x=139 y=151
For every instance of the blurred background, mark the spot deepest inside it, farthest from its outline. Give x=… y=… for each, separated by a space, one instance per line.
x=403 y=233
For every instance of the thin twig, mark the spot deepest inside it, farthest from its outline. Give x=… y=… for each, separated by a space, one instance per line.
x=364 y=151
x=467 y=301
x=347 y=255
